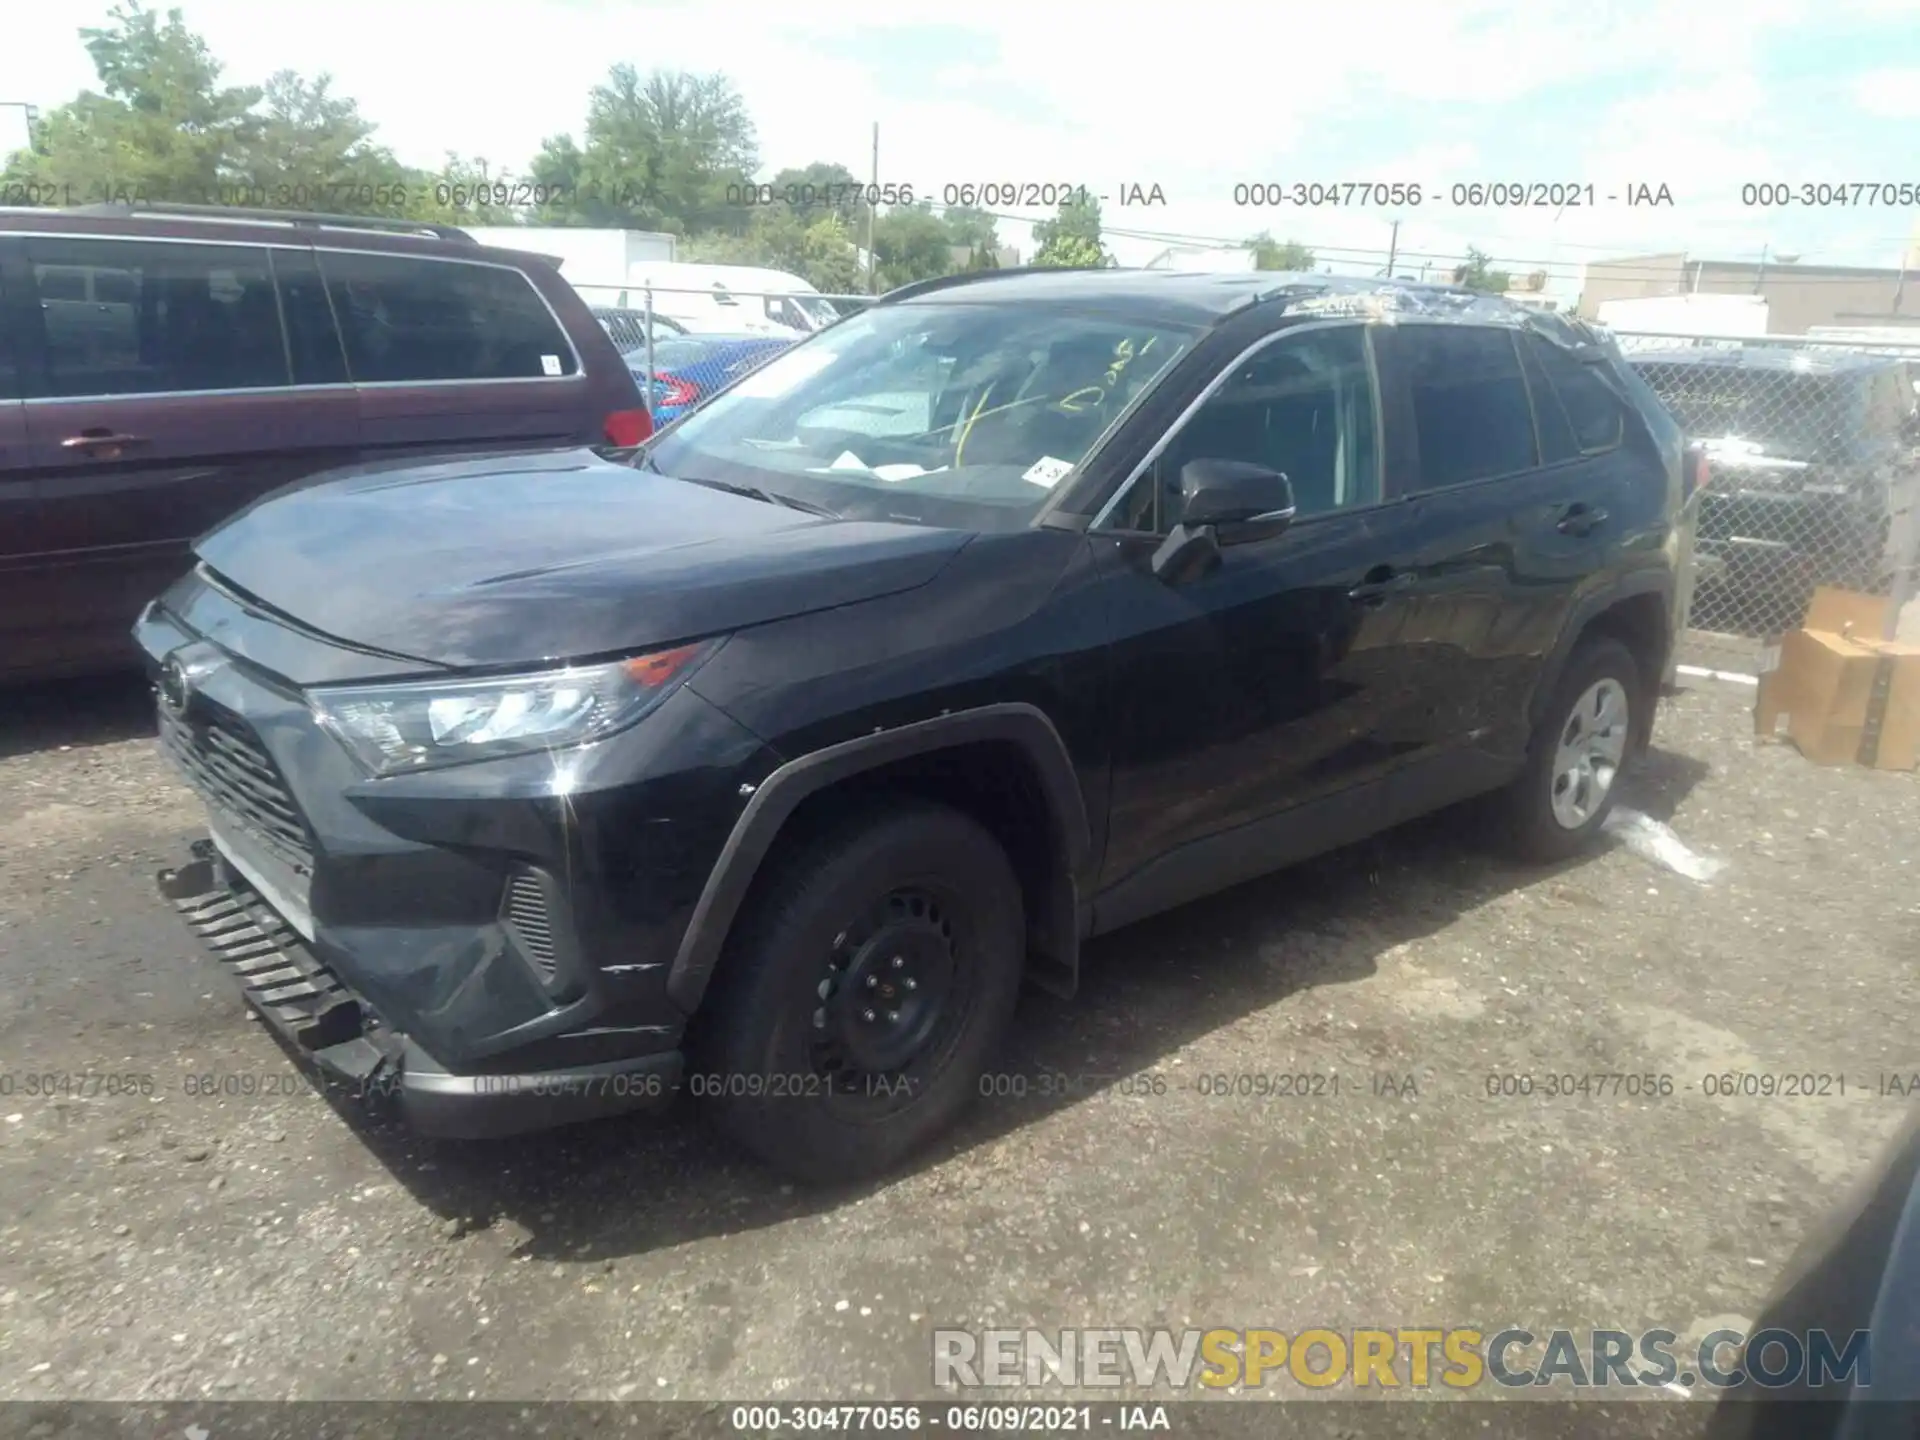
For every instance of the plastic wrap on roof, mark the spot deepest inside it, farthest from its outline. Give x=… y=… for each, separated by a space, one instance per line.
x=1411 y=300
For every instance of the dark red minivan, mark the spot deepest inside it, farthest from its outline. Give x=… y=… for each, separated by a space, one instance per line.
x=162 y=367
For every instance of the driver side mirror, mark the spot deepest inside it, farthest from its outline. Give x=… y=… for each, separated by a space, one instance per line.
x=1222 y=502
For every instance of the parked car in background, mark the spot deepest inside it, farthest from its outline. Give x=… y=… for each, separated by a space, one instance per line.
x=1815 y=464
x=163 y=367
x=772 y=761
x=689 y=369
x=628 y=328
x=730 y=299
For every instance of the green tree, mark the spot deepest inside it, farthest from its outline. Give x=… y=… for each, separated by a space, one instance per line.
x=1071 y=240
x=832 y=188
x=161 y=126
x=911 y=243
x=821 y=252
x=666 y=151
x=467 y=191
x=1271 y=254
x=976 y=230
x=972 y=227
x=1477 y=274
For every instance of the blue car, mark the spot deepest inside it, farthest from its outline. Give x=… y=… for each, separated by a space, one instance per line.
x=688 y=368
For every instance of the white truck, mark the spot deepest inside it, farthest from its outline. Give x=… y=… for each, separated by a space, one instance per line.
x=1717 y=316
x=595 y=262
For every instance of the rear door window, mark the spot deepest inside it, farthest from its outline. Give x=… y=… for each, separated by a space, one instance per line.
x=408 y=320
x=127 y=317
x=1471 y=414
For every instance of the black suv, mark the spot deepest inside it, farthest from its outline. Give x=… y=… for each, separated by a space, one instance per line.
x=768 y=765
x=1814 y=458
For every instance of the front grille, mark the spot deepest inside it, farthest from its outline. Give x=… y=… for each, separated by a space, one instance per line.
x=524 y=912
x=235 y=775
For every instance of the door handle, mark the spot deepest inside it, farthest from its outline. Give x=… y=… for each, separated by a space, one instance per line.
x=1377 y=585
x=88 y=439
x=1580 y=519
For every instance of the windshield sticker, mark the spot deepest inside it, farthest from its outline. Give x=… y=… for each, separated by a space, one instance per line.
x=1047 y=471
x=784 y=373
x=550 y=364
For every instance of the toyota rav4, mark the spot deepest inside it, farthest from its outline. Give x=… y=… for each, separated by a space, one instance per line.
x=769 y=761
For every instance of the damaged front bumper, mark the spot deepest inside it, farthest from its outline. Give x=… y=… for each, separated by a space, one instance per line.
x=323 y=1021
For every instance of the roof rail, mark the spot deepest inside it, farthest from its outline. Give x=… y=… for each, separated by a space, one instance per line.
x=968 y=277
x=245 y=215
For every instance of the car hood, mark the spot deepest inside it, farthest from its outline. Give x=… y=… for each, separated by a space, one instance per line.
x=506 y=560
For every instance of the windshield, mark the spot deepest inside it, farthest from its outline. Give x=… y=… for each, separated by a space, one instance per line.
x=1795 y=417
x=955 y=414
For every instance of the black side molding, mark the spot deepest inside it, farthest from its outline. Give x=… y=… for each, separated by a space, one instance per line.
x=781 y=793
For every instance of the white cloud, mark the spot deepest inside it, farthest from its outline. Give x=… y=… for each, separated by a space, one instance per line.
x=1893 y=94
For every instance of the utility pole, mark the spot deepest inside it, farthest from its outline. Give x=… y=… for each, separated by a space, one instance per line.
x=1393 y=248
x=1760 y=274
x=873 y=199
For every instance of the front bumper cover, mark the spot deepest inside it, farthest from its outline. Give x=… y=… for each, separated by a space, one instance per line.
x=325 y=1022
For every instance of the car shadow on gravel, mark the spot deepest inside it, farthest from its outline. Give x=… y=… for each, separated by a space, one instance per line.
x=621 y=1187
x=99 y=710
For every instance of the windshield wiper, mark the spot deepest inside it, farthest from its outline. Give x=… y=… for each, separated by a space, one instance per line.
x=754 y=492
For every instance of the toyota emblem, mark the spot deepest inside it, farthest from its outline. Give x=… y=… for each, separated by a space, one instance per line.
x=173 y=685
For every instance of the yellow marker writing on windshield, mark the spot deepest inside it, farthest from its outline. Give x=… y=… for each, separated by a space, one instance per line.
x=960 y=445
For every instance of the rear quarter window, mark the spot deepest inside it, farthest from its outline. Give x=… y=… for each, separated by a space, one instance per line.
x=412 y=319
x=1591 y=408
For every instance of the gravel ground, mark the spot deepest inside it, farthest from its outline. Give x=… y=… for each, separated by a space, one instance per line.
x=279 y=1245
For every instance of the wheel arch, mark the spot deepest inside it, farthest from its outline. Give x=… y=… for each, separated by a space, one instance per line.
x=1638 y=612
x=1005 y=765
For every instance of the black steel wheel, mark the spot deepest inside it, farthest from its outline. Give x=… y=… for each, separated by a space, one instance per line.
x=863 y=992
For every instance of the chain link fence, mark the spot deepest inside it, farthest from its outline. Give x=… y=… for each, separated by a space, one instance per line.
x=1813 y=452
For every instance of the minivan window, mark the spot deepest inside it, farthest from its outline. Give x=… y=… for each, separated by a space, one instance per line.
x=1471 y=415
x=1592 y=409
x=414 y=319
x=937 y=413
x=163 y=317
x=311 y=337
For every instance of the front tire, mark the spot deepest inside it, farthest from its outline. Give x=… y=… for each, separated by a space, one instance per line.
x=1584 y=739
x=861 y=998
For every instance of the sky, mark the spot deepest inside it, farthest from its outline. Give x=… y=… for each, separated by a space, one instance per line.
x=1194 y=99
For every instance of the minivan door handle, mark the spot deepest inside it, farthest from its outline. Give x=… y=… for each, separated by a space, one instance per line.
x=99 y=439
x=1580 y=518
x=1377 y=584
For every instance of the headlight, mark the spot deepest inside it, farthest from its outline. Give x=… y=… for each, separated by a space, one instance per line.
x=425 y=723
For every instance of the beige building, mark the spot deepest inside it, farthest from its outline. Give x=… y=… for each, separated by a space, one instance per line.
x=1798 y=296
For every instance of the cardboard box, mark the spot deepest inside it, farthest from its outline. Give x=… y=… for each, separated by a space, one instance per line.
x=1847 y=696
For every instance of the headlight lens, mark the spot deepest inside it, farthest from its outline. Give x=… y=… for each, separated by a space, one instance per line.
x=422 y=724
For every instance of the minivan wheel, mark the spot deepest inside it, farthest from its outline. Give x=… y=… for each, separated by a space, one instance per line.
x=859 y=1002
x=1568 y=787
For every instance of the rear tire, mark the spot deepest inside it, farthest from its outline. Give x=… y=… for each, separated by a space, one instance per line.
x=863 y=993
x=1583 y=741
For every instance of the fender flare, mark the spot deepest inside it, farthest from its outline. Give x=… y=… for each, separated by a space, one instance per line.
x=781 y=793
